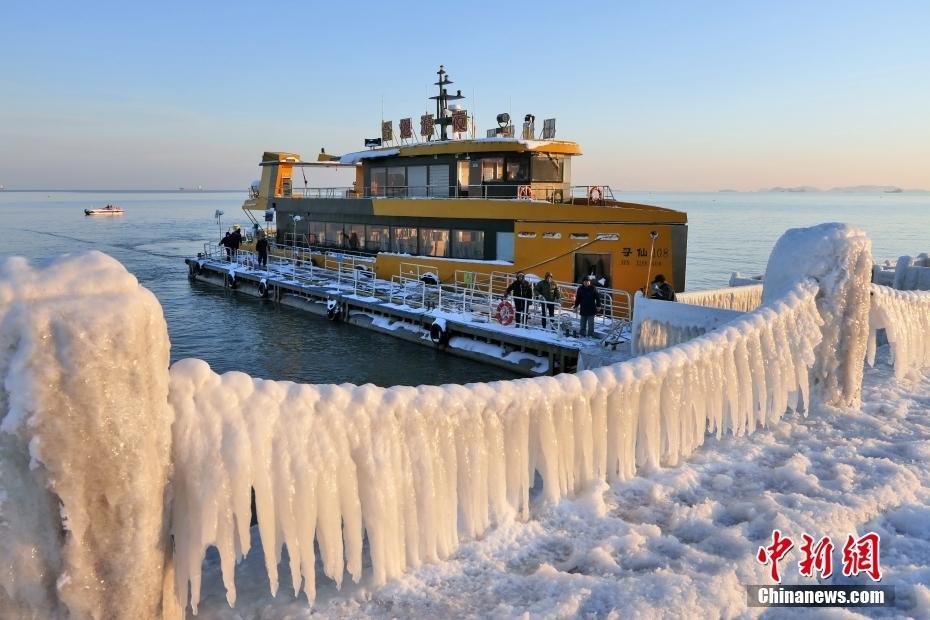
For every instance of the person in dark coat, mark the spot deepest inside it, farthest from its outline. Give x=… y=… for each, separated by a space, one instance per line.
x=225 y=243
x=662 y=289
x=261 y=248
x=548 y=291
x=588 y=302
x=522 y=296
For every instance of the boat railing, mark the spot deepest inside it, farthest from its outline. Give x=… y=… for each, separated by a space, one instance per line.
x=580 y=194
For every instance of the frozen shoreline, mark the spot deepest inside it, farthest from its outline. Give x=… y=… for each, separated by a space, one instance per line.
x=675 y=542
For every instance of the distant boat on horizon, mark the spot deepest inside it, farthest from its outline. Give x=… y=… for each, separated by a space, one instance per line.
x=107 y=210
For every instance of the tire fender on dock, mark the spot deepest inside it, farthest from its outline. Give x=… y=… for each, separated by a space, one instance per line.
x=333 y=310
x=263 y=289
x=229 y=280
x=439 y=332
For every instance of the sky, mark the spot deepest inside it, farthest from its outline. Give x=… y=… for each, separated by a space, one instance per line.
x=661 y=95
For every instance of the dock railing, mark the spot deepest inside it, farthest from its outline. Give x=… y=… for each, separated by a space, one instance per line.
x=474 y=294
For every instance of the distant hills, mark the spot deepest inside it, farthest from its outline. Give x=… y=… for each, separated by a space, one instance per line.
x=852 y=189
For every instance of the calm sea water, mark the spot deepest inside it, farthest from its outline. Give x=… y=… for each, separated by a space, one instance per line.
x=728 y=232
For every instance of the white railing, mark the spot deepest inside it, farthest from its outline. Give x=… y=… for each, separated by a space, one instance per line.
x=411 y=470
x=743 y=298
x=905 y=318
x=400 y=474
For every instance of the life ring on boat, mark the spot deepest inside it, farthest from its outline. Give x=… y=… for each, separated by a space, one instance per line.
x=595 y=194
x=332 y=310
x=263 y=289
x=505 y=313
x=525 y=191
x=229 y=281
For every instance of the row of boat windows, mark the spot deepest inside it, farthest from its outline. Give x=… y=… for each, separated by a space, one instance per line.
x=439 y=242
x=423 y=181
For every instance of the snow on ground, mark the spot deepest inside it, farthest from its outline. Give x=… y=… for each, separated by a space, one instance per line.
x=674 y=542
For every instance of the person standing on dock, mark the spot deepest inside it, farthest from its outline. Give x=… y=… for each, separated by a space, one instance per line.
x=588 y=302
x=235 y=240
x=225 y=243
x=522 y=297
x=662 y=289
x=548 y=291
x=261 y=248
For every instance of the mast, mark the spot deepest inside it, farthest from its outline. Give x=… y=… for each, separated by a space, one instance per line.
x=442 y=102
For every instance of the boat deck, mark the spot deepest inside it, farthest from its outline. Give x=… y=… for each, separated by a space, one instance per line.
x=458 y=317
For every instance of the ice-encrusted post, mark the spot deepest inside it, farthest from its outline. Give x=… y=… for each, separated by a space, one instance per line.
x=839 y=258
x=85 y=434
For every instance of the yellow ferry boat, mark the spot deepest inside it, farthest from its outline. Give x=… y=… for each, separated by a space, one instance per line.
x=457 y=203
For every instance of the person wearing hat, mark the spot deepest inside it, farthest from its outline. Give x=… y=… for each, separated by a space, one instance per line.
x=588 y=302
x=522 y=296
x=548 y=291
x=261 y=248
x=235 y=240
x=661 y=289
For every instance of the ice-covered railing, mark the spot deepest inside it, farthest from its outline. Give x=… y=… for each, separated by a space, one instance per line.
x=98 y=440
x=743 y=298
x=660 y=324
x=415 y=469
x=905 y=317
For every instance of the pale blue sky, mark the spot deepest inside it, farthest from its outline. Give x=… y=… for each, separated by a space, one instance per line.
x=661 y=95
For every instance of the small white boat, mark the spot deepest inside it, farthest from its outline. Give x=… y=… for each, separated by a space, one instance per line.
x=107 y=210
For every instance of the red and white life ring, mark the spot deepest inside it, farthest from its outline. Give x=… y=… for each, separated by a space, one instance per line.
x=505 y=313
x=525 y=191
x=595 y=194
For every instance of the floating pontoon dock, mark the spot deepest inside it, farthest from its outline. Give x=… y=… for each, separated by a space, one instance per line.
x=460 y=317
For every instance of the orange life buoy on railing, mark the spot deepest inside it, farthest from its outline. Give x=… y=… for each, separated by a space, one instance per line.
x=525 y=191
x=505 y=313
x=595 y=194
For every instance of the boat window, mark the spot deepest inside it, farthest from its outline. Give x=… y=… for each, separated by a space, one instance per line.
x=396 y=181
x=416 y=181
x=377 y=238
x=434 y=242
x=316 y=233
x=505 y=246
x=355 y=236
x=517 y=170
x=492 y=169
x=439 y=181
x=334 y=234
x=404 y=240
x=468 y=244
x=378 y=181
x=552 y=235
x=547 y=168
x=578 y=236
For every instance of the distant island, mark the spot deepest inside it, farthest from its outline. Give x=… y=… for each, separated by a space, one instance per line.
x=852 y=189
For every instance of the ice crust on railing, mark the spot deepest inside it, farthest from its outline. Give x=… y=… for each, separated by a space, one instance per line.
x=743 y=298
x=660 y=324
x=905 y=317
x=85 y=434
x=416 y=469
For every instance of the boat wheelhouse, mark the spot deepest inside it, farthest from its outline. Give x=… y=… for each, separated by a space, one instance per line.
x=459 y=203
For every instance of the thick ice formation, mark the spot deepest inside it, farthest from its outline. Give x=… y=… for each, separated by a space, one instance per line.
x=413 y=469
x=905 y=317
x=744 y=298
x=839 y=258
x=660 y=324
x=84 y=441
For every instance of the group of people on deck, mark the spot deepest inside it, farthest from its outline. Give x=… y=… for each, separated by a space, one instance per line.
x=587 y=299
x=233 y=239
